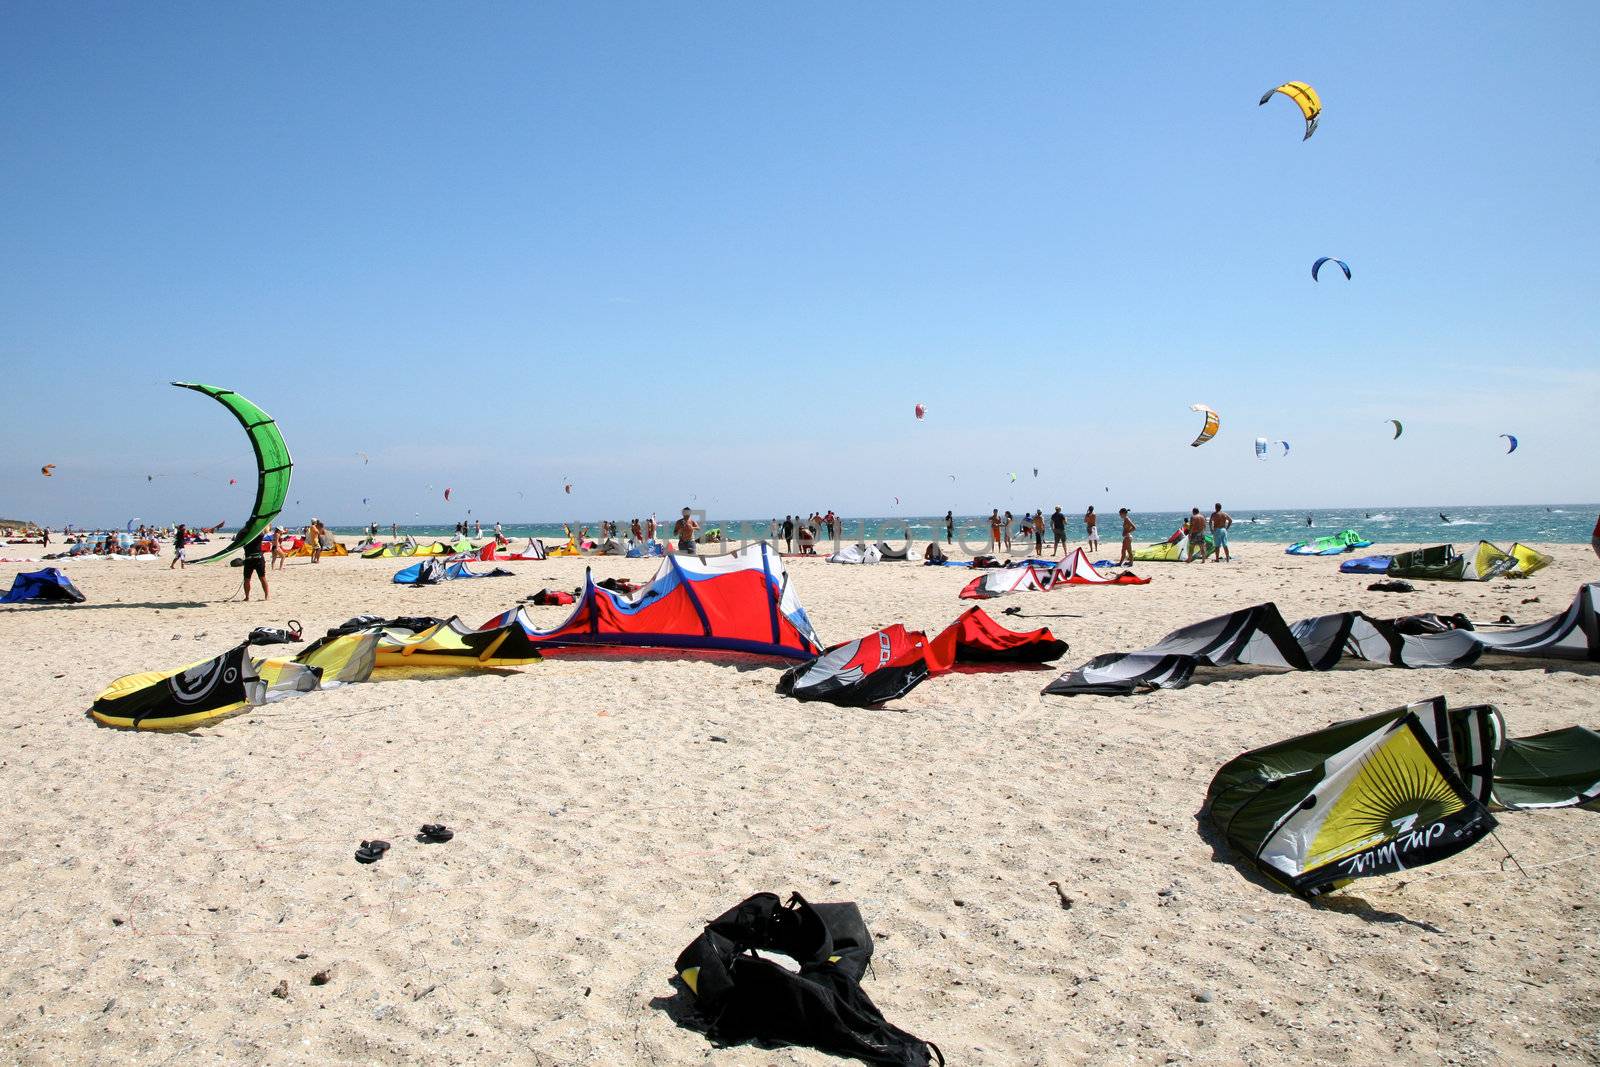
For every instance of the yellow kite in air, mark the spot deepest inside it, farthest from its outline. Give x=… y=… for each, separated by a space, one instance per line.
x=1303 y=95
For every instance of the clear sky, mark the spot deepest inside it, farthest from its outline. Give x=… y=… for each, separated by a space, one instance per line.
x=722 y=249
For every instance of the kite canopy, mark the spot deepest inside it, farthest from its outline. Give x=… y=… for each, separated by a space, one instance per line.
x=1039 y=577
x=1317 y=267
x=1263 y=446
x=273 y=465
x=1305 y=98
x=48 y=470
x=1362 y=798
x=921 y=411
x=738 y=602
x=1513 y=441
x=1398 y=429
x=1558 y=769
x=889 y=663
x=1259 y=636
x=1332 y=545
x=46 y=586
x=1444 y=564
x=1212 y=424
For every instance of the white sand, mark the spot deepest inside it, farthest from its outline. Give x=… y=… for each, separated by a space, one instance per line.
x=160 y=886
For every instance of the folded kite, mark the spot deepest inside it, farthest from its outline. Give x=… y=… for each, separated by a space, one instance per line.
x=889 y=663
x=1259 y=636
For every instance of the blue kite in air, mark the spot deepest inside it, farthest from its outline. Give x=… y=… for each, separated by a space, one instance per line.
x=1317 y=267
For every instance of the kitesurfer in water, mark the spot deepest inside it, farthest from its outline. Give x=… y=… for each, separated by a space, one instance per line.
x=1444 y=518
x=1126 y=558
x=1308 y=520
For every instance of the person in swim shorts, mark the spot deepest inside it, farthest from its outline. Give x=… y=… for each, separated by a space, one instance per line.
x=255 y=565
x=684 y=530
x=1220 y=521
x=1196 y=529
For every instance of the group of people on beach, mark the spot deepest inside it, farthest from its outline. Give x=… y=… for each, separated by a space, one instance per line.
x=1007 y=529
x=1207 y=536
x=807 y=530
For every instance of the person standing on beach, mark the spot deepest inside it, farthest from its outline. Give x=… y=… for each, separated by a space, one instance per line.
x=316 y=531
x=179 y=541
x=1091 y=528
x=684 y=530
x=994 y=529
x=1058 y=531
x=1220 y=522
x=950 y=527
x=1038 y=531
x=1197 y=535
x=278 y=554
x=788 y=533
x=1126 y=559
x=1005 y=529
x=255 y=565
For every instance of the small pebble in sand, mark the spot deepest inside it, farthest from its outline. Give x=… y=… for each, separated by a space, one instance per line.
x=321 y=978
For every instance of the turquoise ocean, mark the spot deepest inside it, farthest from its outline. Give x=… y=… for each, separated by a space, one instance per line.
x=1467 y=523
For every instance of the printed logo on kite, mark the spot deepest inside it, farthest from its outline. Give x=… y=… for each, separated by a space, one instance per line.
x=195 y=684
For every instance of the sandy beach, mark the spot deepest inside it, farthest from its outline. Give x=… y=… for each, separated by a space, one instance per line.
x=161 y=887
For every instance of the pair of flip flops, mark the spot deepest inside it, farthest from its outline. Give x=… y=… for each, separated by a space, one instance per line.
x=432 y=833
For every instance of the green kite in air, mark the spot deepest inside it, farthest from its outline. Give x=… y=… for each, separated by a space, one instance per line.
x=273 y=465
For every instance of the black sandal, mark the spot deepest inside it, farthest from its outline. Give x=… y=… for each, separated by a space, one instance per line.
x=371 y=851
x=434 y=833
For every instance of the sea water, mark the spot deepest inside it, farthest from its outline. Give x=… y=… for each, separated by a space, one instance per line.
x=1458 y=524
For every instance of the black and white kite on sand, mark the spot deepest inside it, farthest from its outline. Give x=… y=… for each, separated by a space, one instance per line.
x=1258 y=636
x=1391 y=791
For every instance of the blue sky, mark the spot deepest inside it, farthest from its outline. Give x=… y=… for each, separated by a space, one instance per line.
x=723 y=249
